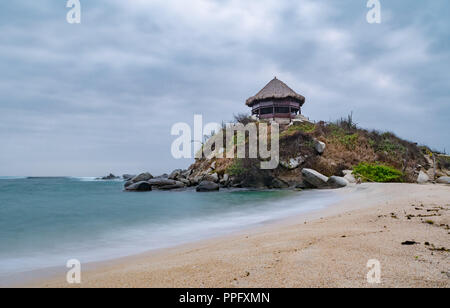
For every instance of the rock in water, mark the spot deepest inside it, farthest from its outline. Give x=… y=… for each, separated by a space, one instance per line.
x=444 y=180
x=161 y=182
x=422 y=178
x=320 y=146
x=314 y=178
x=128 y=177
x=206 y=186
x=142 y=177
x=177 y=185
x=128 y=183
x=337 y=182
x=139 y=186
x=110 y=177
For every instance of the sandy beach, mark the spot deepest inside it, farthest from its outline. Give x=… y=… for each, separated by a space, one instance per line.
x=329 y=248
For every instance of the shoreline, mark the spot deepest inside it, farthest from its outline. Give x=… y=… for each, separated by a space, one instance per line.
x=300 y=250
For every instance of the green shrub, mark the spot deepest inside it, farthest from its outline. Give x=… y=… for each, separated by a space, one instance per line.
x=391 y=147
x=302 y=127
x=349 y=141
x=236 y=168
x=377 y=173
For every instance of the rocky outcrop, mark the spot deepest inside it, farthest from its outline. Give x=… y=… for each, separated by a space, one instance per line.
x=444 y=180
x=139 y=186
x=337 y=182
x=314 y=178
x=206 y=186
x=142 y=177
x=109 y=177
x=422 y=178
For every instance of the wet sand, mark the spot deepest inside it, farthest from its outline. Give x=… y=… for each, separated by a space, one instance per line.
x=328 y=248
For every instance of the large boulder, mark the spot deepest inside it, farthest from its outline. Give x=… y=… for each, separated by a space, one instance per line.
x=175 y=174
x=422 y=178
x=292 y=163
x=225 y=179
x=177 y=185
x=444 y=180
x=314 y=178
x=337 y=182
x=319 y=146
x=206 y=186
x=348 y=175
x=142 y=177
x=128 y=177
x=161 y=182
x=128 y=183
x=278 y=184
x=139 y=186
x=211 y=177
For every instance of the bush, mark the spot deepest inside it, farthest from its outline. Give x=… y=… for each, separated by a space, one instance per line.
x=301 y=127
x=236 y=168
x=377 y=173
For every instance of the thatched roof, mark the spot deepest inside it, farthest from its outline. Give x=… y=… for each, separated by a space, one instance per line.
x=275 y=89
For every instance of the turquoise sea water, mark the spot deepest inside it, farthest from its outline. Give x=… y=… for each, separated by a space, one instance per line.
x=46 y=221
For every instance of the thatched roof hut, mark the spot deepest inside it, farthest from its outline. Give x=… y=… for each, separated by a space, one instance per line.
x=276 y=101
x=275 y=89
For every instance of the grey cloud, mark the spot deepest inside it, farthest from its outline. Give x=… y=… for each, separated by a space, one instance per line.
x=101 y=96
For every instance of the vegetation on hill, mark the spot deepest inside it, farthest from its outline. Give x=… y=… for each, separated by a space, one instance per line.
x=373 y=155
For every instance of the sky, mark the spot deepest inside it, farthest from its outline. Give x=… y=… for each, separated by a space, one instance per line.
x=101 y=96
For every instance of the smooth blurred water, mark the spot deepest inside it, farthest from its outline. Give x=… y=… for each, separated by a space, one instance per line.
x=46 y=221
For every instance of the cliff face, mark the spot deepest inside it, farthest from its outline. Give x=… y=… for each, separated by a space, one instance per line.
x=329 y=148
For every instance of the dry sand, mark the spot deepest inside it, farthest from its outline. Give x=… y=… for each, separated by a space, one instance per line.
x=323 y=249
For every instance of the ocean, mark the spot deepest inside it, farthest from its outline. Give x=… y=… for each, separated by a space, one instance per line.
x=46 y=221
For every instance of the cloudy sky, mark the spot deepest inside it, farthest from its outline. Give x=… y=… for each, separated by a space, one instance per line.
x=101 y=96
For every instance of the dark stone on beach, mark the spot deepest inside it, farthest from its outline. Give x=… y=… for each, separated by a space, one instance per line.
x=314 y=178
x=139 y=186
x=206 y=186
x=337 y=182
x=142 y=177
x=409 y=243
x=110 y=177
